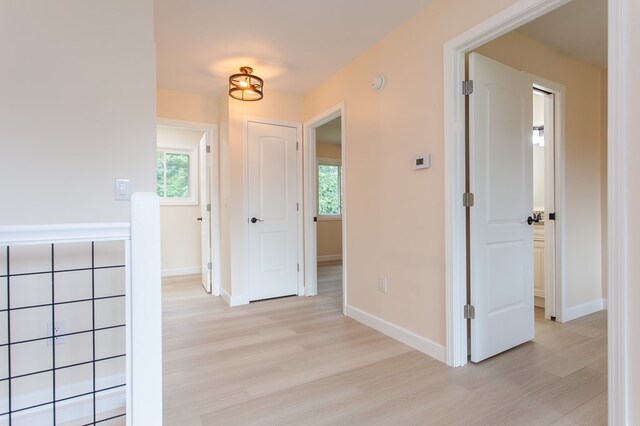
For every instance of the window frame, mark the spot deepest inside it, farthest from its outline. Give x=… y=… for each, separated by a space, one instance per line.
x=192 y=200
x=326 y=161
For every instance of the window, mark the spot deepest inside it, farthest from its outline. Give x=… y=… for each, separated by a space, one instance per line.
x=176 y=176
x=329 y=189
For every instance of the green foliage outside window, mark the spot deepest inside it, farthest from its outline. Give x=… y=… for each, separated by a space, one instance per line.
x=172 y=175
x=329 y=197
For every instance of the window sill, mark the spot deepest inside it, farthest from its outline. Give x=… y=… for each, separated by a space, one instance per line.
x=329 y=218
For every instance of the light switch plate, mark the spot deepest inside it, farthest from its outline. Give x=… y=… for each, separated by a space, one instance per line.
x=123 y=189
x=421 y=161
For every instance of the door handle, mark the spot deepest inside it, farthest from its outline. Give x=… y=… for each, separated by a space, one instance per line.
x=531 y=220
x=200 y=219
x=255 y=219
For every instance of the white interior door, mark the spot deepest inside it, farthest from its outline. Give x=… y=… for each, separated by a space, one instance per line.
x=272 y=210
x=205 y=214
x=500 y=176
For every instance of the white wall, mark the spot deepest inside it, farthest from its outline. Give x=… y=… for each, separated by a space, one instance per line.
x=77 y=101
x=538 y=157
x=179 y=227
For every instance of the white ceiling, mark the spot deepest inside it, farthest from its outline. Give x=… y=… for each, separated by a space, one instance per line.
x=577 y=29
x=293 y=44
x=297 y=44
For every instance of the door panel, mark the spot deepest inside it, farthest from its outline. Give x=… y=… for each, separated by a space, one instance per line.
x=500 y=176
x=272 y=192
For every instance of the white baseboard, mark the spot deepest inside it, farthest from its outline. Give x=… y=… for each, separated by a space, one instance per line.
x=176 y=272
x=401 y=334
x=584 y=309
x=330 y=258
x=233 y=300
x=78 y=410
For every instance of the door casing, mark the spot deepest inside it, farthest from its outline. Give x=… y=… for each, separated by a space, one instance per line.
x=310 y=189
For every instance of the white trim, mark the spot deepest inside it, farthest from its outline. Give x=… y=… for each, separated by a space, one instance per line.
x=401 y=334
x=234 y=300
x=214 y=192
x=618 y=230
x=310 y=240
x=330 y=258
x=579 y=311
x=177 y=272
x=299 y=185
x=454 y=111
x=144 y=349
x=63 y=233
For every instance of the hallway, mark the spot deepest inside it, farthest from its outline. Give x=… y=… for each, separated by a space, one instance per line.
x=298 y=360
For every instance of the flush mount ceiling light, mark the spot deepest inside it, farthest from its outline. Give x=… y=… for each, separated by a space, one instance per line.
x=245 y=86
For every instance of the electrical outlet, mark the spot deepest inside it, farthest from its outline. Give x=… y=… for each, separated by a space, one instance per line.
x=382 y=285
x=59 y=328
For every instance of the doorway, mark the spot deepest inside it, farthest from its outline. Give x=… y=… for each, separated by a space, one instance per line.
x=495 y=31
x=325 y=201
x=187 y=184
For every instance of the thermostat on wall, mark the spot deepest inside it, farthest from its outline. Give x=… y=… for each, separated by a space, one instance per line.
x=421 y=161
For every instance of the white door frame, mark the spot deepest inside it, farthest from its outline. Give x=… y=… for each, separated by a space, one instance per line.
x=211 y=131
x=245 y=208
x=507 y=20
x=310 y=189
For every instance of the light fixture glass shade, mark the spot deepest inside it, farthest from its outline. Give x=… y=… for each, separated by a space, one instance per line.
x=246 y=86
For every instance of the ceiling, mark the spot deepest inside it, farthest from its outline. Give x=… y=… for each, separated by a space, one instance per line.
x=577 y=29
x=295 y=45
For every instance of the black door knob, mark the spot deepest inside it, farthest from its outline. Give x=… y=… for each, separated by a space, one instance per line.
x=255 y=219
x=200 y=219
x=531 y=220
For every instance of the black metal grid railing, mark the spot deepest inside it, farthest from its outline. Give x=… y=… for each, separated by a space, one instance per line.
x=106 y=316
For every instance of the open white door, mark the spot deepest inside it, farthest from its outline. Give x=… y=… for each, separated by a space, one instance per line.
x=501 y=237
x=273 y=211
x=205 y=214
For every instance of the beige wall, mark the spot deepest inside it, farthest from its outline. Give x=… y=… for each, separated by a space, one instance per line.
x=274 y=105
x=179 y=227
x=633 y=299
x=329 y=232
x=396 y=215
x=77 y=109
x=187 y=106
x=604 y=111
x=582 y=155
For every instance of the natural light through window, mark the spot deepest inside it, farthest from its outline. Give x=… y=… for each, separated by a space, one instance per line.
x=175 y=176
x=329 y=189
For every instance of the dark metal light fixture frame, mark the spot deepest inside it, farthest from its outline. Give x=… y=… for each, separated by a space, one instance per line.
x=245 y=86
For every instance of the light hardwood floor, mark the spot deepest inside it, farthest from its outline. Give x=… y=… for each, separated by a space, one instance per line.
x=299 y=361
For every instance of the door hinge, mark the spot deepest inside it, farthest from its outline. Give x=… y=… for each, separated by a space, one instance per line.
x=552 y=216
x=208 y=207
x=297 y=146
x=209 y=266
x=298 y=207
x=467 y=87
x=469 y=312
x=208 y=149
x=468 y=199
x=298 y=267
